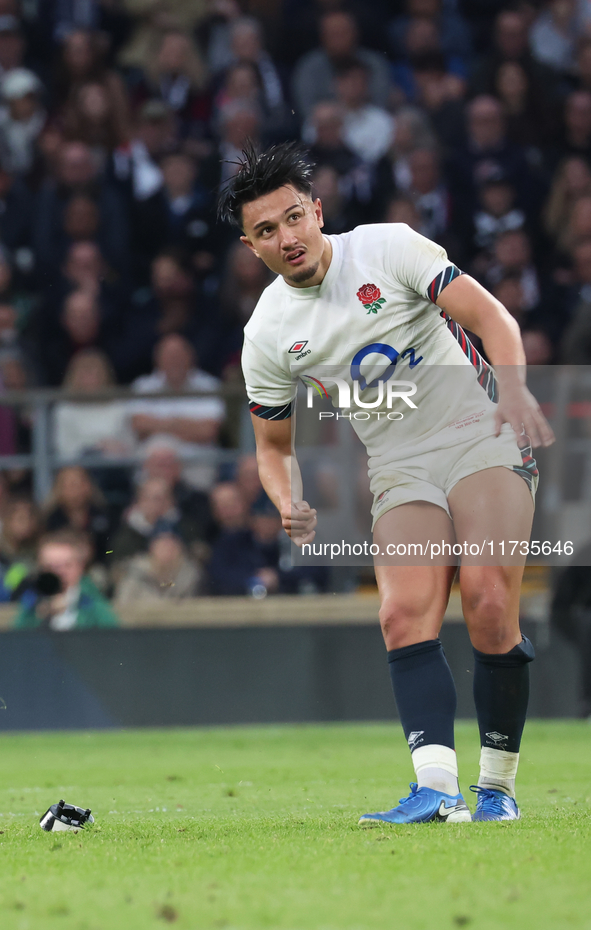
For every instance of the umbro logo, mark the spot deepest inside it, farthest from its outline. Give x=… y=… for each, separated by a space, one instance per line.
x=496 y=737
x=414 y=738
x=299 y=349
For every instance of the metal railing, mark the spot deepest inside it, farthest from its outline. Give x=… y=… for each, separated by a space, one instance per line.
x=44 y=460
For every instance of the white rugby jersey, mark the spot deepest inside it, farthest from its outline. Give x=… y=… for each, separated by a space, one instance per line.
x=372 y=318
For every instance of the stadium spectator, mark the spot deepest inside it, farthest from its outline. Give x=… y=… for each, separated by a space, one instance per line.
x=453 y=33
x=238 y=123
x=76 y=503
x=247 y=47
x=538 y=348
x=578 y=226
x=79 y=605
x=313 y=78
x=22 y=118
x=496 y=212
x=413 y=130
x=440 y=94
x=238 y=562
x=430 y=194
x=530 y=116
x=245 y=278
x=176 y=75
x=582 y=76
x=9 y=336
x=368 y=130
x=21 y=528
x=12 y=43
x=402 y=209
x=152 y=510
x=162 y=461
x=572 y=179
x=173 y=304
x=487 y=152
x=423 y=62
x=240 y=84
x=163 y=573
x=193 y=421
x=334 y=205
x=11 y=293
x=151 y=136
x=82 y=62
x=77 y=172
x=212 y=33
x=324 y=131
x=299 y=28
x=186 y=217
x=553 y=35
x=537 y=345
x=84 y=269
x=362 y=185
x=80 y=326
x=513 y=256
x=16 y=217
x=510 y=42
x=576 y=133
x=575 y=346
x=91 y=116
x=248 y=481
x=81 y=218
x=101 y=427
x=65 y=17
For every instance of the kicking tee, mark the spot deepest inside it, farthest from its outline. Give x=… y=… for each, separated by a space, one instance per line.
x=370 y=332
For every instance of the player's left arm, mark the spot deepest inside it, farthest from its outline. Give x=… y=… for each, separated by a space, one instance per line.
x=470 y=305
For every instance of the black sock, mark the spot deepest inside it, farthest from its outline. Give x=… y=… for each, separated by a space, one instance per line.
x=425 y=693
x=501 y=694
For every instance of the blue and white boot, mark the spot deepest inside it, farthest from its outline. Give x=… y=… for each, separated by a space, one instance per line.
x=422 y=806
x=494 y=805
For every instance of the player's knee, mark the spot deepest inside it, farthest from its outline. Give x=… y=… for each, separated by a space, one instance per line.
x=402 y=624
x=490 y=619
x=489 y=604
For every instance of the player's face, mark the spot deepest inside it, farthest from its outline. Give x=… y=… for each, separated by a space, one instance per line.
x=284 y=229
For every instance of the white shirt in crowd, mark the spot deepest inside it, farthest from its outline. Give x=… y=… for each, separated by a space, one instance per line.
x=191 y=408
x=81 y=427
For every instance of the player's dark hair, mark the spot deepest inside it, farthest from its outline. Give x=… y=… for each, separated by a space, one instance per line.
x=258 y=175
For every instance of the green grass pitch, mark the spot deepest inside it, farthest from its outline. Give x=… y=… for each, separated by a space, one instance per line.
x=243 y=828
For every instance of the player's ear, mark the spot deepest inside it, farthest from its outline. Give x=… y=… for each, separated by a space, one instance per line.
x=249 y=245
x=318 y=212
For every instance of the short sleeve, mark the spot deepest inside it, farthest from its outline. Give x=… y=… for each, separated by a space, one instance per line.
x=422 y=265
x=269 y=387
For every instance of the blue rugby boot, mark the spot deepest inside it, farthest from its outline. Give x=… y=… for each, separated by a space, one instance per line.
x=494 y=805
x=422 y=806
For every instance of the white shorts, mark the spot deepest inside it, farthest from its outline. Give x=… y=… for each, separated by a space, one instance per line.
x=431 y=473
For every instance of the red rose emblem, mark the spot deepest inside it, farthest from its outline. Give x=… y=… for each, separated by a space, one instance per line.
x=368 y=293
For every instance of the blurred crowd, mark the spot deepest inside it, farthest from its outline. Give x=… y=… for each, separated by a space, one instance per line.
x=120 y=122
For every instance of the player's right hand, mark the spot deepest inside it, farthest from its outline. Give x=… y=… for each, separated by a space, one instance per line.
x=298 y=521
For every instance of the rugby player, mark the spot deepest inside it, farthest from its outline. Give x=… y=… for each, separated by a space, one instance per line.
x=465 y=474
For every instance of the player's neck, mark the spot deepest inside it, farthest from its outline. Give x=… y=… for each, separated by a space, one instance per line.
x=320 y=273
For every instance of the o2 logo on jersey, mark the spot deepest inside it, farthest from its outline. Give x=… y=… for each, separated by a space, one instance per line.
x=380 y=348
x=401 y=389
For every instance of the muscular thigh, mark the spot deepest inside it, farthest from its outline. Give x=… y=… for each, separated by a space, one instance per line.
x=490 y=509
x=413 y=596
